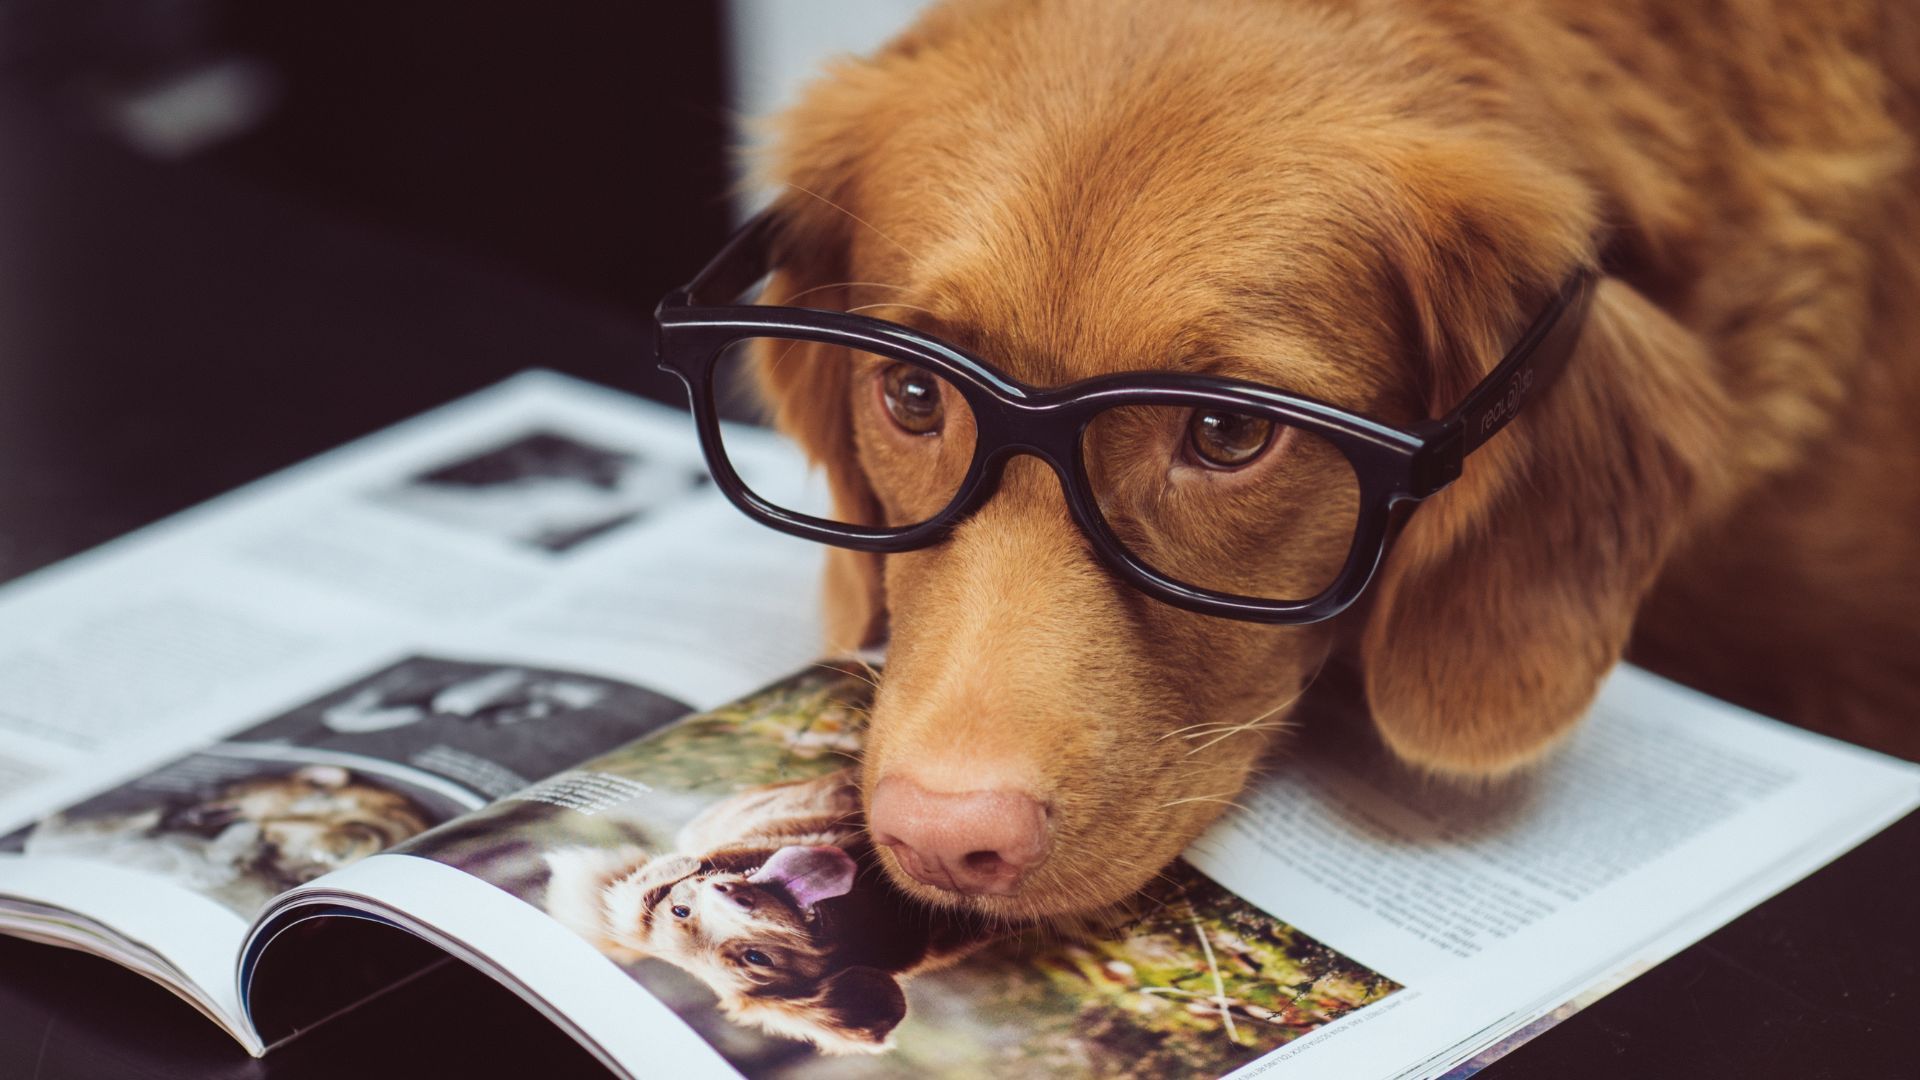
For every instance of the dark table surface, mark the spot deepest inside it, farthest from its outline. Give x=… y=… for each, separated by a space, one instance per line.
x=168 y=333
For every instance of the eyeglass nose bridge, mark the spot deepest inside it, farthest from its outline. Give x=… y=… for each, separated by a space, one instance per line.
x=1044 y=431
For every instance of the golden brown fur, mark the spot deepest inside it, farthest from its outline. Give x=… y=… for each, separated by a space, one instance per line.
x=1364 y=201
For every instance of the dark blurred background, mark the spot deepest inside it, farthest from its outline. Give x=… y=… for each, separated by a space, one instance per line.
x=566 y=149
x=235 y=234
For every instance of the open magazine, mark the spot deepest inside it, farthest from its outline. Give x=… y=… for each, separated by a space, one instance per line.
x=434 y=698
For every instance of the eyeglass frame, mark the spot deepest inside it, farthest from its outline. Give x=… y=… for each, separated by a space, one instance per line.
x=695 y=324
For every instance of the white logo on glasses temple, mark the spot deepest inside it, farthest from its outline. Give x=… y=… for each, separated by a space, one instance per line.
x=1501 y=411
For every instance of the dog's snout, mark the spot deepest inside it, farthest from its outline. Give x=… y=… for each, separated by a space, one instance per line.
x=973 y=842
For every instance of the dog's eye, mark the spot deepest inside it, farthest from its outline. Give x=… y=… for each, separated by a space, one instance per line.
x=758 y=958
x=913 y=400
x=681 y=911
x=1226 y=440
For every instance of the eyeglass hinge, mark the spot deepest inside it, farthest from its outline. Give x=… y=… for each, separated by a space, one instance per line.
x=1438 y=462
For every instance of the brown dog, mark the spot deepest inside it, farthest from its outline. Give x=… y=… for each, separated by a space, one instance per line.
x=1364 y=201
x=774 y=903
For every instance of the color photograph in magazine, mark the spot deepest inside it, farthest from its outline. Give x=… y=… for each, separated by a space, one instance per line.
x=720 y=862
x=353 y=772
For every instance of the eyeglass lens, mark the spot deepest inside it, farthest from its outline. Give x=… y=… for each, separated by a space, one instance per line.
x=1235 y=503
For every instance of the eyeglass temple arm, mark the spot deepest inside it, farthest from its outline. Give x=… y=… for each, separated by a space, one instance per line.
x=1529 y=368
x=742 y=261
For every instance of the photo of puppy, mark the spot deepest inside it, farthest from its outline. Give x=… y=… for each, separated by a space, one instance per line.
x=1364 y=204
x=365 y=765
x=773 y=901
x=722 y=864
x=243 y=841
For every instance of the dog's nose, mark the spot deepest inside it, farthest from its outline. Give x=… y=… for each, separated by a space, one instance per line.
x=973 y=842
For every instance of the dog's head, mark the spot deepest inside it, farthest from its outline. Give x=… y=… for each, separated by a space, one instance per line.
x=304 y=824
x=1345 y=205
x=757 y=927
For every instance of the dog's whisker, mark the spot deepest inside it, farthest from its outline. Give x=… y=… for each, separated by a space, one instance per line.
x=1221 y=799
x=871 y=677
x=1201 y=731
x=841 y=285
x=1221 y=732
x=857 y=218
x=1216 y=732
x=1191 y=727
x=883 y=304
x=1241 y=729
x=774 y=365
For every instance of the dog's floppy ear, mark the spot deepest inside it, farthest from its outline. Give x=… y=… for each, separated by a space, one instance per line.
x=862 y=1006
x=810 y=399
x=854 y=1011
x=815 y=159
x=1509 y=595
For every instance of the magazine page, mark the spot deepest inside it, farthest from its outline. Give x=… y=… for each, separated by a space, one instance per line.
x=174 y=864
x=1667 y=814
x=400 y=632
x=718 y=869
x=1349 y=921
x=544 y=510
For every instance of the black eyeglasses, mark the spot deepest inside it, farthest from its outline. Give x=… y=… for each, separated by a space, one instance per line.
x=1218 y=495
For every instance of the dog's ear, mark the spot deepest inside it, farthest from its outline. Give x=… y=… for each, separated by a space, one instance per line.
x=1509 y=595
x=862 y=1006
x=815 y=161
x=811 y=402
x=854 y=1011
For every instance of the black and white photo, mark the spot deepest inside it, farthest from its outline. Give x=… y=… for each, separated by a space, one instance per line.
x=545 y=491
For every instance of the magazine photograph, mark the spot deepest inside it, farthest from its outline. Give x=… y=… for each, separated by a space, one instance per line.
x=241 y=823
x=728 y=874
x=348 y=775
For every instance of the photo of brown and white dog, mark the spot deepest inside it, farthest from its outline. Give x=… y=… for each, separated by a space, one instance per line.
x=1364 y=201
x=244 y=842
x=772 y=899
